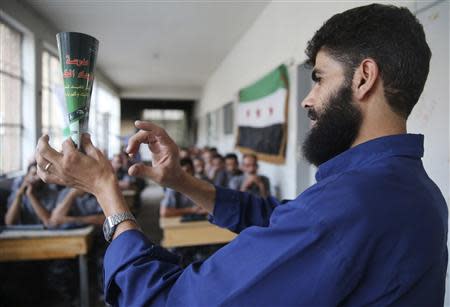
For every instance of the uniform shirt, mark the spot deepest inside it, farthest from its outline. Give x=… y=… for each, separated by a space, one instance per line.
x=221 y=178
x=237 y=181
x=174 y=199
x=46 y=195
x=371 y=232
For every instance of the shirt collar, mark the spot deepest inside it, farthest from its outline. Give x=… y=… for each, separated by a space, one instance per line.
x=393 y=145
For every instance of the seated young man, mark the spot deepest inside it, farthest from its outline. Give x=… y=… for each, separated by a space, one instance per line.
x=251 y=181
x=232 y=166
x=31 y=201
x=176 y=204
x=199 y=169
x=219 y=173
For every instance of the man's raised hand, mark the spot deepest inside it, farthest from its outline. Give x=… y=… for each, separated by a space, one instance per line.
x=165 y=169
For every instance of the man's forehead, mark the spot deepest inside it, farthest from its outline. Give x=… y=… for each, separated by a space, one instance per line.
x=326 y=64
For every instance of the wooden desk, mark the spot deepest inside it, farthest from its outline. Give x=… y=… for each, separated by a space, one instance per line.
x=177 y=234
x=16 y=245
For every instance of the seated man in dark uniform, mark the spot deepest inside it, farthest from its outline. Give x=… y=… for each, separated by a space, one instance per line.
x=32 y=201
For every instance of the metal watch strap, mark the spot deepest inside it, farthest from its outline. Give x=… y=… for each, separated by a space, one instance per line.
x=115 y=220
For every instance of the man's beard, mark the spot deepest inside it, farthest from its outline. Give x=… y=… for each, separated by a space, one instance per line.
x=335 y=129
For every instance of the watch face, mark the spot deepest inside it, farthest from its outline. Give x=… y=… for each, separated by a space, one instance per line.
x=106 y=230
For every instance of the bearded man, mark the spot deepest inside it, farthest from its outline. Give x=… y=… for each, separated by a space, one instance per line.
x=371 y=231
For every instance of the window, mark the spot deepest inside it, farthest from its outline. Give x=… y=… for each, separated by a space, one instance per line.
x=228 y=118
x=53 y=111
x=104 y=119
x=10 y=99
x=173 y=121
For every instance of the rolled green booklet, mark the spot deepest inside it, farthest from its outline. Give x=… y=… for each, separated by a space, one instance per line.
x=77 y=54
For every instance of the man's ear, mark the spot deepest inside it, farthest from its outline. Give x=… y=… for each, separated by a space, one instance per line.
x=365 y=78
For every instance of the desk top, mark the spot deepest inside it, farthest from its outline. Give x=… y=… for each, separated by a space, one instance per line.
x=177 y=233
x=44 y=244
x=171 y=222
x=24 y=234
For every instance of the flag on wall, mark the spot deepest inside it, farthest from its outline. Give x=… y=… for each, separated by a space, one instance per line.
x=262 y=116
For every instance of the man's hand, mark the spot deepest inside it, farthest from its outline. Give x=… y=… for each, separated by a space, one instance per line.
x=22 y=188
x=200 y=210
x=76 y=193
x=30 y=189
x=165 y=169
x=90 y=172
x=57 y=219
x=249 y=181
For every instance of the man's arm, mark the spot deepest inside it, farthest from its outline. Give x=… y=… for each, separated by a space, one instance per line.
x=294 y=261
x=93 y=219
x=63 y=206
x=237 y=210
x=42 y=213
x=13 y=213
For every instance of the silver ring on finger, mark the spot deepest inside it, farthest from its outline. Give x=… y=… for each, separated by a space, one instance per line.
x=47 y=167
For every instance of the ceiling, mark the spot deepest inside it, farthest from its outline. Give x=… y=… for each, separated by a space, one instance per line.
x=159 y=46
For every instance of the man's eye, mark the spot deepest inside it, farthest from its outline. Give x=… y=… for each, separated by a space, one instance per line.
x=315 y=78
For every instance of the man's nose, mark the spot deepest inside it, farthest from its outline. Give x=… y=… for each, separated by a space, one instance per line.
x=308 y=101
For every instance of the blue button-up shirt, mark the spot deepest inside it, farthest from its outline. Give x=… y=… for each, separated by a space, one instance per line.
x=372 y=231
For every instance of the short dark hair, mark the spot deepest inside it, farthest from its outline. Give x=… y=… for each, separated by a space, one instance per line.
x=250 y=155
x=390 y=35
x=187 y=161
x=231 y=155
x=218 y=156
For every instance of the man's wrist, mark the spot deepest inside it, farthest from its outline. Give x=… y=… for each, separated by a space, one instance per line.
x=110 y=198
x=124 y=226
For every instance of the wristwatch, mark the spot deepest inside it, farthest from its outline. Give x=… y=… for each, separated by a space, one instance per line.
x=111 y=223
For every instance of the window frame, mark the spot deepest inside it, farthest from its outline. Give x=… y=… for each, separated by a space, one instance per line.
x=20 y=125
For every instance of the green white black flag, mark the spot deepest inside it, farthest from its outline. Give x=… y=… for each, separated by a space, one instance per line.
x=262 y=116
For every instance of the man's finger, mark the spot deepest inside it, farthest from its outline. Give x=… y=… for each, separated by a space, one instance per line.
x=141 y=137
x=48 y=177
x=41 y=162
x=149 y=134
x=87 y=145
x=44 y=152
x=141 y=170
x=147 y=126
x=68 y=146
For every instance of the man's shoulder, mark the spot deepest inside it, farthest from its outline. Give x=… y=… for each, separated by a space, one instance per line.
x=377 y=197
